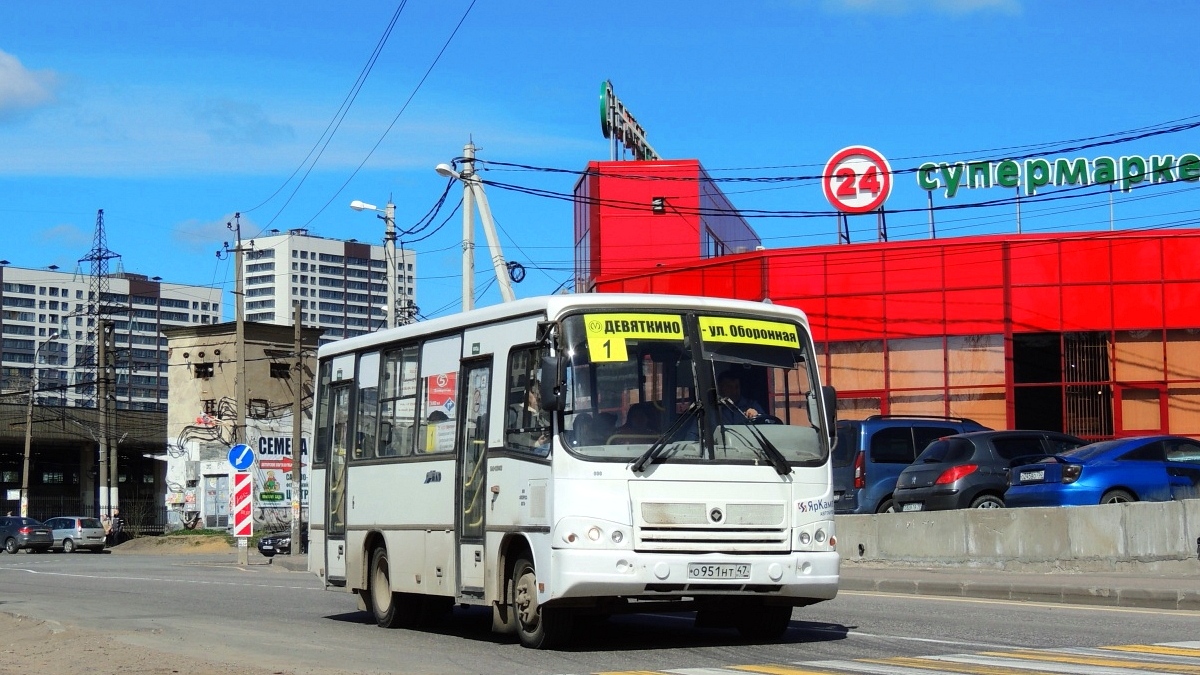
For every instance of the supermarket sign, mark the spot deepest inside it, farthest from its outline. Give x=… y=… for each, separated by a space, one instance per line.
x=1030 y=175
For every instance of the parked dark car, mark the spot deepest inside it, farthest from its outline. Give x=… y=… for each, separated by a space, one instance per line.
x=971 y=470
x=25 y=533
x=1143 y=468
x=281 y=542
x=871 y=453
x=72 y=533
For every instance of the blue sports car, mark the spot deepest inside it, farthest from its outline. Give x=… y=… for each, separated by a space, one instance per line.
x=1144 y=468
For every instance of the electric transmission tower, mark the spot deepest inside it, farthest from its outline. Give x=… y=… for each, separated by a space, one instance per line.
x=99 y=307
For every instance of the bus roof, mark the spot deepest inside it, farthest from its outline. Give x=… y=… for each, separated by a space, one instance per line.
x=553 y=306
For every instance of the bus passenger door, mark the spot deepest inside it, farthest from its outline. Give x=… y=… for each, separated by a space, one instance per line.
x=335 y=504
x=472 y=475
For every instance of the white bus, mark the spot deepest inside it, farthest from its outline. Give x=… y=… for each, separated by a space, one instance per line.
x=578 y=455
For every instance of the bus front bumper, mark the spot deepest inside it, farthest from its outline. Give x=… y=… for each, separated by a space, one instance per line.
x=811 y=576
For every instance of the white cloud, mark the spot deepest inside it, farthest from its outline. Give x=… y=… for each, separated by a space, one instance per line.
x=66 y=235
x=198 y=235
x=22 y=89
x=944 y=6
x=235 y=123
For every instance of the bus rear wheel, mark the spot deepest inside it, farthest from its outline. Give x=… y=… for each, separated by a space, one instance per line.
x=538 y=627
x=384 y=603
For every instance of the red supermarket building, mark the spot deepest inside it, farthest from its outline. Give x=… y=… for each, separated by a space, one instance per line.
x=1091 y=333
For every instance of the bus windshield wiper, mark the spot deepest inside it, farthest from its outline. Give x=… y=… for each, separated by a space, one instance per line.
x=660 y=443
x=766 y=447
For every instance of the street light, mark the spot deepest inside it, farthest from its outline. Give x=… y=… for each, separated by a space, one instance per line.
x=29 y=424
x=473 y=191
x=389 y=253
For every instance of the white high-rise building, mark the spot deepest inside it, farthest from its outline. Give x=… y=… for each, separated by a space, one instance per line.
x=48 y=322
x=341 y=285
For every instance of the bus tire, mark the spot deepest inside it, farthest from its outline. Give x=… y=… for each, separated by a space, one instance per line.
x=538 y=627
x=382 y=601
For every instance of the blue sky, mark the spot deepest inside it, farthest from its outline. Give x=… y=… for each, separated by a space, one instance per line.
x=172 y=116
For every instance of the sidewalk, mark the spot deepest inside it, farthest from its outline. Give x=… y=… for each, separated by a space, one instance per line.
x=1165 y=585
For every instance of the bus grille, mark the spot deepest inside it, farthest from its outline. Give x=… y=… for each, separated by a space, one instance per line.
x=690 y=526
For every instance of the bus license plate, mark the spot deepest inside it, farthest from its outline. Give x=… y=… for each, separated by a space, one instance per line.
x=1029 y=476
x=718 y=571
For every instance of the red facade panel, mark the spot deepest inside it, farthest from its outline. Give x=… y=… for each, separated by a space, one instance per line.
x=1086 y=308
x=796 y=274
x=974 y=265
x=1137 y=306
x=913 y=269
x=914 y=314
x=857 y=317
x=1035 y=309
x=853 y=272
x=1137 y=260
x=1034 y=263
x=975 y=312
x=1085 y=261
x=1180 y=305
x=1180 y=259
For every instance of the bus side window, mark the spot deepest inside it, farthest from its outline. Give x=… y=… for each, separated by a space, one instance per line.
x=368 y=406
x=398 y=403
x=526 y=425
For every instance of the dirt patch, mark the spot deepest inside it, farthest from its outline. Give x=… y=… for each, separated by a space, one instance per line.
x=49 y=648
x=174 y=545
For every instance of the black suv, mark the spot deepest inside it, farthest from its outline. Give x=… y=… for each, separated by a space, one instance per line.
x=971 y=470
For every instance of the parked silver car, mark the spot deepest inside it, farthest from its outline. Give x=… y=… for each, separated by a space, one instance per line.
x=76 y=532
x=17 y=533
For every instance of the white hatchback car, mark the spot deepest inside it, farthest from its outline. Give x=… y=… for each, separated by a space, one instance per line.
x=76 y=532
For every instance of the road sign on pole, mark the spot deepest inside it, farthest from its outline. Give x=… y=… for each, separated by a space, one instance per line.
x=243 y=504
x=241 y=457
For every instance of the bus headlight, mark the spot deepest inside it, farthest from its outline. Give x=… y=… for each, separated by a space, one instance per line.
x=804 y=538
x=591 y=533
x=594 y=533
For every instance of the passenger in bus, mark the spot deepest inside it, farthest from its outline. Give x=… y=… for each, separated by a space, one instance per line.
x=640 y=425
x=729 y=386
x=528 y=426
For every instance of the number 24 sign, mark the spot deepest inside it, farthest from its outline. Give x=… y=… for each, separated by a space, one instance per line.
x=857 y=179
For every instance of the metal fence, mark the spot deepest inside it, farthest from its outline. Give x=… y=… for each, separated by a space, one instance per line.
x=141 y=516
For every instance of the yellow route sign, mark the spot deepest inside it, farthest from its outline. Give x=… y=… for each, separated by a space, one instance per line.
x=749 y=331
x=607 y=333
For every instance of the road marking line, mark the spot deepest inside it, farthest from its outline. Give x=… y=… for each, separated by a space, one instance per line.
x=933 y=663
x=773 y=669
x=1021 y=666
x=1157 y=649
x=167 y=581
x=1093 y=661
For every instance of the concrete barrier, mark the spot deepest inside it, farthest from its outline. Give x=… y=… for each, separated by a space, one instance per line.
x=1110 y=534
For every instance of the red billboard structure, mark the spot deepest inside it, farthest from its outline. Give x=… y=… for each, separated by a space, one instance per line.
x=1092 y=333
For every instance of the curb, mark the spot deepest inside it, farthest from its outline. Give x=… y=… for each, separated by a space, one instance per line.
x=1188 y=600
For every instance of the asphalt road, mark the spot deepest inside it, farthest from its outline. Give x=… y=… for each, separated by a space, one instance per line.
x=208 y=608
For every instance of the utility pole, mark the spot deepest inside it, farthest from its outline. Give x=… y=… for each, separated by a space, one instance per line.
x=239 y=420
x=389 y=253
x=33 y=379
x=473 y=192
x=297 y=412
x=104 y=477
x=468 y=245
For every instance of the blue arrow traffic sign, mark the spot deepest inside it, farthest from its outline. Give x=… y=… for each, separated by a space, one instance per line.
x=241 y=457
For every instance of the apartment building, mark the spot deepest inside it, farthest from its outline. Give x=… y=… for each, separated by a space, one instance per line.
x=48 y=322
x=341 y=285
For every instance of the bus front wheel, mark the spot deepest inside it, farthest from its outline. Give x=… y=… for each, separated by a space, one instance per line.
x=538 y=627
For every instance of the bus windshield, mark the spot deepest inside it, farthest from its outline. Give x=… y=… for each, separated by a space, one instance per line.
x=663 y=387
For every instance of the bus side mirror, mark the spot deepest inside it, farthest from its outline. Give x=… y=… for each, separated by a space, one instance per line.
x=830 y=396
x=553 y=381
